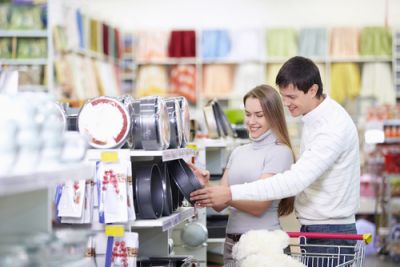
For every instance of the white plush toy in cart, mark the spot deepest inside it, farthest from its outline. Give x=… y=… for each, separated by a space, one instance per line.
x=263 y=248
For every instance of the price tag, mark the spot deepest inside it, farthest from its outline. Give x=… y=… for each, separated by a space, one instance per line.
x=115 y=230
x=192 y=146
x=109 y=156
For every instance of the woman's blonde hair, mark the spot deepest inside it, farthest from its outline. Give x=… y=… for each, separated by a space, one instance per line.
x=272 y=107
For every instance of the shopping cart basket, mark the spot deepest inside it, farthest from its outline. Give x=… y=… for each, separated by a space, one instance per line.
x=317 y=255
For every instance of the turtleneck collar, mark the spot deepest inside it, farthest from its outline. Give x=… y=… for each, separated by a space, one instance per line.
x=266 y=138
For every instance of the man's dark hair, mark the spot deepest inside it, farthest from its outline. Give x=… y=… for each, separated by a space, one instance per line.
x=302 y=73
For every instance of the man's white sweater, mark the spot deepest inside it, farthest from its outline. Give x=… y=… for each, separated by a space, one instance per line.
x=326 y=177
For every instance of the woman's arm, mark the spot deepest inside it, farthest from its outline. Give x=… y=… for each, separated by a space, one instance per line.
x=255 y=208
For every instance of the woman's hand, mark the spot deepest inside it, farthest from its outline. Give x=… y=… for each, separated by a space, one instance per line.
x=202 y=175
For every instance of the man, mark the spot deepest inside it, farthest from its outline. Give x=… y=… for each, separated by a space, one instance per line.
x=325 y=179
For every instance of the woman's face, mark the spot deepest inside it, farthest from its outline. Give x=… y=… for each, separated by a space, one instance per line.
x=256 y=122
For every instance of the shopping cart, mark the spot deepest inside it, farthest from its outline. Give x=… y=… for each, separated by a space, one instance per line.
x=317 y=255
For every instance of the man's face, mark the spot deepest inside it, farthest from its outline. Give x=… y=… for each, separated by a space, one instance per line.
x=297 y=102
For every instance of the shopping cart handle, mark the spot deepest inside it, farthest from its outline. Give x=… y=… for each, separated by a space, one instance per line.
x=367 y=238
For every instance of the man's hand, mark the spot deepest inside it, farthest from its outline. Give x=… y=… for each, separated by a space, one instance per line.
x=212 y=196
x=202 y=175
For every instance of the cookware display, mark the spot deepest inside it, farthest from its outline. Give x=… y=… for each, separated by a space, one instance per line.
x=216 y=121
x=175 y=121
x=149 y=191
x=184 y=177
x=222 y=120
x=154 y=123
x=128 y=102
x=105 y=122
x=136 y=125
x=211 y=122
x=168 y=201
x=185 y=117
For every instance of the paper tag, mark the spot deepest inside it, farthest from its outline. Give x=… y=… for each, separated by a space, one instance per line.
x=109 y=156
x=114 y=230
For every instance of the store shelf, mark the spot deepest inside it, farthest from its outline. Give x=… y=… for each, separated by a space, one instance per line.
x=168 y=222
x=18 y=183
x=361 y=59
x=392 y=122
x=392 y=140
x=216 y=240
x=33 y=88
x=94 y=55
x=168 y=61
x=166 y=155
x=212 y=143
x=38 y=61
x=27 y=34
x=231 y=61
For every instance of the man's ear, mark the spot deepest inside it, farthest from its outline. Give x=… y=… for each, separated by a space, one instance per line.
x=313 y=90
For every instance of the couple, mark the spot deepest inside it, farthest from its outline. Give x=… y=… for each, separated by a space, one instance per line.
x=261 y=178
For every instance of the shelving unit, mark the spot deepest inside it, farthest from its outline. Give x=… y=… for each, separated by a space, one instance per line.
x=230 y=99
x=16 y=63
x=20 y=183
x=166 y=223
x=165 y=155
x=25 y=199
x=24 y=33
x=154 y=234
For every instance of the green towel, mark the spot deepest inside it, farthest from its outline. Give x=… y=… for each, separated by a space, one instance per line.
x=376 y=41
x=282 y=42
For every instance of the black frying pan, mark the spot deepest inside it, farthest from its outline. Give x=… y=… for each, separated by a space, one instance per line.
x=149 y=191
x=168 y=205
x=177 y=196
x=184 y=177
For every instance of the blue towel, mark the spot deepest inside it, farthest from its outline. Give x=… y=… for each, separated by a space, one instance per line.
x=215 y=44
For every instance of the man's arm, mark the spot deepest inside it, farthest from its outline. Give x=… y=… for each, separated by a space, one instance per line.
x=253 y=207
x=321 y=155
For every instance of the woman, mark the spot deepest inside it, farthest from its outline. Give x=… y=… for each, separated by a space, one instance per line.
x=268 y=153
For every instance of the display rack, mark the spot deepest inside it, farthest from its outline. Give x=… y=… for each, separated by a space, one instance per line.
x=230 y=98
x=168 y=222
x=25 y=199
x=154 y=234
x=166 y=155
x=19 y=183
x=15 y=62
x=24 y=33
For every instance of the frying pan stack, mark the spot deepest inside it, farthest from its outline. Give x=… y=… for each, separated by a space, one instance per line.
x=160 y=188
x=216 y=120
x=149 y=123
